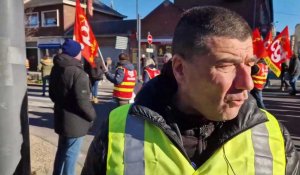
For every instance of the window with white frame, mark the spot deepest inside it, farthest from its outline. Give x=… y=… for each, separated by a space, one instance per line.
x=50 y=18
x=32 y=20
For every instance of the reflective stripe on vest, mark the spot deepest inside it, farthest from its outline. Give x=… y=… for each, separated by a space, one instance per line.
x=125 y=89
x=260 y=78
x=257 y=151
x=137 y=147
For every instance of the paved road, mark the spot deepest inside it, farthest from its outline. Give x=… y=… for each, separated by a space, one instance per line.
x=285 y=107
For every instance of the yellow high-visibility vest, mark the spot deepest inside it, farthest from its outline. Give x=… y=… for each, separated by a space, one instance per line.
x=125 y=89
x=138 y=147
x=260 y=79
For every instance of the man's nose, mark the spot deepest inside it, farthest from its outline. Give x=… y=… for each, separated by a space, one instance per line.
x=243 y=79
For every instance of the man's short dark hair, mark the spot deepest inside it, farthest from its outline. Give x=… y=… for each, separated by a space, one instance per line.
x=199 y=23
x=123 y=56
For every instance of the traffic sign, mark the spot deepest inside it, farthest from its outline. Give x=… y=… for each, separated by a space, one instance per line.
x=121 y=42
x=149 y=50
x=149 y=39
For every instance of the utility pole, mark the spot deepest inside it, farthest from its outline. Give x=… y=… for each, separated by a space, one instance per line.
x=254 y=15
x=14 y=129
x=138 y=30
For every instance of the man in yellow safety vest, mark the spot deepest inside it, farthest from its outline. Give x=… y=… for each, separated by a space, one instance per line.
x=259 y=74
x=124 y=80
x=197 y=117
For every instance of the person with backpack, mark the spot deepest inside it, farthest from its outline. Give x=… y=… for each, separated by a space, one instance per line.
x=95 y=75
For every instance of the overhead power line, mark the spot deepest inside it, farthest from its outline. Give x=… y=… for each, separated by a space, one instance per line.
x=285 y=13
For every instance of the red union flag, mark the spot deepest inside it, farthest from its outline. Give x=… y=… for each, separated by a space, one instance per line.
x=268 y=40
x=84 y=35
x=279 y=51
x=258 y=44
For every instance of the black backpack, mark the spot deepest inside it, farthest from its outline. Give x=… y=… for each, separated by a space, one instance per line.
x=97 y=73
x=94 y=73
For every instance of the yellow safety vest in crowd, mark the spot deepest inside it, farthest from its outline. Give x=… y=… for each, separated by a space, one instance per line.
x=138 y=147
x=125 y=89
x=260 y=79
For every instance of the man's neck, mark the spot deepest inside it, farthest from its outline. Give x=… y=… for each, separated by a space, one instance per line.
x=181 y=100
x=190 y=117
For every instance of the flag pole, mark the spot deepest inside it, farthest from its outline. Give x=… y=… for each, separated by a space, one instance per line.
x=14 y=125
x=102 y=59
x=89 y=42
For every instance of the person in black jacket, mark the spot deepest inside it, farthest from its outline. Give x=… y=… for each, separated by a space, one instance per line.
x=197 y=117
x=294 y=72
x=95 y=75
x=283 y=77
x=73 y=112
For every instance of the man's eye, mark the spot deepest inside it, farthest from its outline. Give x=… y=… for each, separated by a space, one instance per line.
x=250 y=63
x=226 y=67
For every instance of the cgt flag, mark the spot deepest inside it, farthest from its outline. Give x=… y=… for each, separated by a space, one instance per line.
x=84 y=35
x=258 y=45
x=279 y=51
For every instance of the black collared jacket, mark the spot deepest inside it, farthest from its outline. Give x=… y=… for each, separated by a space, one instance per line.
x=70 y=91
x=154 y=104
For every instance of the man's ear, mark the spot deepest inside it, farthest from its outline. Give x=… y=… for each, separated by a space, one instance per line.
x=178 y=68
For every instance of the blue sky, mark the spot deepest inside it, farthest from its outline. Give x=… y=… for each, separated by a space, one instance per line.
x=286 y=12
x=128 y=7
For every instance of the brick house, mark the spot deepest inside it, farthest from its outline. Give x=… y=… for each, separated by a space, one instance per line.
x=258 y=13
x=46 y=23
x=106 y=32
x=161 y=30
x=160 y=22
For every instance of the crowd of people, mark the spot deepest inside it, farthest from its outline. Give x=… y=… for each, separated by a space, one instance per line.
x=202 y=113
x=197 y=116
x=260 y=72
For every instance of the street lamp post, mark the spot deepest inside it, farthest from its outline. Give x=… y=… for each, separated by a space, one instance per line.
x=138 y=30
x=14 y=129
